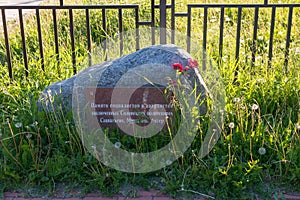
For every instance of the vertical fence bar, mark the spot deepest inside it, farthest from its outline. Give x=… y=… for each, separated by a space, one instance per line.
x=137 y=33
x=7 y=46
x=288 y=38
x=120 y=31
x=104 y=28
x=237 y=44
x=72 y=40
x=163 y=21
x=204 y=43
x=88 y=35
x=173 y=21
x=271 y=36
x=61 y=2
x=254 y=42
x=221 y=33
x=189 y=24
x=56 y=39
x=23 y=42
x=38 y=20
x=153 y=21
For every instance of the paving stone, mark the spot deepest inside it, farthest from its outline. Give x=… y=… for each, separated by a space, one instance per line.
x=100 y=198
x=292 y=197
x=138 y=198
x=13 y=194
x=163 y=198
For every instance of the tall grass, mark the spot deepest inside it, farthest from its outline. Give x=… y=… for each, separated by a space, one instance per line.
x=259 y=146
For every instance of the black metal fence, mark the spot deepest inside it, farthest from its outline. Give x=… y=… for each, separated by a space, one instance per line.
x=167 y=19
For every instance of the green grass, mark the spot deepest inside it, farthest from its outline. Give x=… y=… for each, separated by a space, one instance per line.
x=40 y=150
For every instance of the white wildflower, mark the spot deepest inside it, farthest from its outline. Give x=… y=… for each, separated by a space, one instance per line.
x=236 y=100
x=260 y=80
x=297 y=52
x=182 y=187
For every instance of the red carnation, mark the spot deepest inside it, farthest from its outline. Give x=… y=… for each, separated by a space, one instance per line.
x=178 y=66
x=193 y=63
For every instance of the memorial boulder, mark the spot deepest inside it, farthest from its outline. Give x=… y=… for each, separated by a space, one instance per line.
x=133 y=77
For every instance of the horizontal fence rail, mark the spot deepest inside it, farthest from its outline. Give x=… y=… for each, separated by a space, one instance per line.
x=229 y=20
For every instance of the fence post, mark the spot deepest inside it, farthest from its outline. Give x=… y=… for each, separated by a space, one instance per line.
x=163 y=21
x=61 y=2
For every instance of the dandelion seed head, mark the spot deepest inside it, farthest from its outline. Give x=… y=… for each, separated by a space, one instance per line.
x=28 y=136
x=231 y=125
x=94 y=147
x=254 y=107
x=107 y=175
x=168 y=162
x=118 y=145
x=298 y=126
x=18 y=125
x=262 y=151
